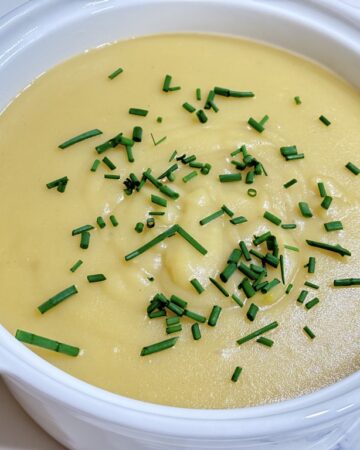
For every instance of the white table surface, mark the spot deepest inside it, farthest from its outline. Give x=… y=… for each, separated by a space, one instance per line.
x=17 y=430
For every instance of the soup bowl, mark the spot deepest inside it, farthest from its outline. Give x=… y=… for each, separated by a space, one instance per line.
x=42 y=33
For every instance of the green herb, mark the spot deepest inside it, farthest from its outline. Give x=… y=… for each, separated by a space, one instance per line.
x=113 y=221
x=189 y=108
x=227 y=210
x=194 y=316
x=347 y=282
x=197 y=285
x=168 y=171
x=139 y=227
x=156 y=314
x=138 y=112
x=96 y=278
x=288 y=226
x=236 y=374
x=95 y=165
x=150 y=222
x=309 y=332
x=159 y=119
x=195 y=330
x=282 y=269
x=109 y=163
x=167 y=83
x=100 y=221
x=247 y=271
x=312 y=285
x=111 y=176
x=322 y=190
x=218 y=286
x=290 y=150
x=137 y=134
x=272 y=218
x=252 y=311
x=262 y=238
x=228 y=272
x=159 y=141
x=189 y=176
x=333 y=226
x=115 y=73
x=258 y=333
x=191 y=240
x=305 y=209
x=173 y=155
x=312 y=303
x=237 y=300
x=229 y=177
x=297 y=100
x=326 y=202
x=290 y=183
x=211 y=217
x=169 y=232
x=271 y=284
x=249 y=291
x=201 y=116
x=354 y=169
x=251 y=192
x=244 y=250
x=58 y=298
x=76 y=266
x=214 y=315
x=332 y=248
x=157 y=213
x=175 y=308
x=265 y=341
x=324 y=120
x=159 y=346
x=302 y=296
x=173 y=329
x=178 y=301
x=291 y=247
x=238 y=220
x=85 y=240
x=288 y=289
x=79 y=138
x=206 y=169
x=49 y=344
x=80 y=230
x=57 y=183
x=235 y=256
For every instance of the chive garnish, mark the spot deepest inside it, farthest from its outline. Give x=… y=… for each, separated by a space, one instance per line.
x=238 y=220
x=249 y=291
x=175 y=308
x=172 y=321
x=167 y=83
x=271 y=284
x=297 y=100
x=262 y=238
x=173 y=155
x=159 y=346
x=252 y=192
x=100 y=221
x=291 y=247
x=76 y=266
x=191 y=240
x=237 y=300
x=219 y=286
x=282 y=269
x=312 y=303
x=237 y=372
x=336 y=225
x=113 y=221
x=58 y=298
x=96 y=278
x=173 y=329
x=272 y=218
x=347 y=282
x=49 y=344
x=302 y=296
x=228 y=272
x=289 y=150
x=111 y=176
x=256 y=125
x=150 y=222
x=332 y=248
x=247 y=271
x=290 y=183
x=137 y=134
x=115 y=73
x=252 y=311
x=322 y=190
x=235 y=256
x=138 y=112
x=95 y=165
x=169 y=232
x=156 y=213
x=265 y=341
x=311 y=264
x=197 y=285
x=201 y=116
x=139 y=227
x=81 y=229
x=312 y=285
x=309 y=332
x=156 y=314
x=79 y=138
x=324 y=120
x=211 y=217
x=109 y=163
x=85 y=240
x=294 y=157
x=198 y=94
x=195 y=330
x=229 y=177
x=257 y=333
x=214 y=315
x=288 y=289
x=227 y=210
x=244 y=250
x=305 y=209
x=354 y=169
x=159 y=141
x=189 y=108
x=189 y=176
x=56 y=183
x=326 y=202
x=288 y=226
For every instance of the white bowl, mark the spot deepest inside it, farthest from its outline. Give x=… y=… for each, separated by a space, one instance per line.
x=43 y=32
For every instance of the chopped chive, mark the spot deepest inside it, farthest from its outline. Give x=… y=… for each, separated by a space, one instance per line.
x=282 y=269
x=311 y=264
x=76 y=266
x=256 y=125
x=138 y=111
x=178 y=301
x=198 y=287
x=79 y=138
x=95 y=165
x=139 y=227
x=245 y=250
x=80 y=230
x=96 y=278
x=252 y=192
x=167 y=83
x=222 y=91
x=271 y=284
x=312 y=303
x=305 y=209
x=196 y=164
x=175 y=308
x=309 y=332
x=159 y=141
x=137 y=134
x=227 y=210
x=324 y=120
x=123 y=140
x=237 y=300
x=189 y=108
x=201 y=116
x=252 y=311
x=293 y=157
x=206 y=169
x=58 y=298
x=228 y=272
x=159 y=346
x=85 y=240
x=297 y=100
x=156 y=213
x=288 y=226
x=168 y=171
x=191 y=240
x=159 y=119
x=288 y=289
x=332 y=248
x=113 y=221
x=257 y=254
x=57 y=183
x=234 y=256
x=209 y=99
x=247 y=271
x=258 y=333
x=290 y=183
x=289 y=150
x=354 y=169
x=111 y=176
x=156 y=314
x=326 y=202
x=218 y=286
x=347 y=282
x=198 y=94
x=336 y=225
x=173 y=329
x=322 y=190
x=195 y=330
x=302 y=296
x=189 y=176
x=225 y=92
x=211 y=217
x=237 y=372
x=109 y=163
x=194 y=316
x=272 y=218
x=100 y=221
x=61 y=187
x=229 y=177
x=150 y=222
x=214 y=315
x=262 y=238
x=238 y=220
x=115 y=73
x=264 y=119
x=312 y=285
x=173 y=155
x=291 y=247
x=49 y=344
x=265 y=341
x=249 y=291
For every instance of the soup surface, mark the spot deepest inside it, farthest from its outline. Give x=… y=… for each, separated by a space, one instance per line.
x=108 y=319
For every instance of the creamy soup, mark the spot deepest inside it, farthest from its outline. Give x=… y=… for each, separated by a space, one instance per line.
x=311 y=339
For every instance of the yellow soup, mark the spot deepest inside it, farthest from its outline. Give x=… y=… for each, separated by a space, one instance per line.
x=108 y=319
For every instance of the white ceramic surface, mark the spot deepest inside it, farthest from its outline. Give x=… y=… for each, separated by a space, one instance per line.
x=79 y=415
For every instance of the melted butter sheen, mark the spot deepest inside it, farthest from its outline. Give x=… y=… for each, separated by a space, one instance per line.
x=108 y=320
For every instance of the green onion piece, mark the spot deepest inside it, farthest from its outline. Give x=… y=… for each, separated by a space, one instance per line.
x=211 y=217
x=109 y=163
x=222 y=91
x=311 y=264
x=293 y=157
x=250 y=176
x=209 y=99
x=262 y=238
x=214 y=315
x=189 y=159
x=237 y=300
x=138 y=111
x=247 y=271
x=309 y=332
x=288 y=289
x=201 y=116
x=252 y=311
x=305 y=209
x=189 y=108
x=150 y=222
x=76 y=266
x=312 y=303
x=302 y=296
x=290 y=150
x=159 y=141
x=57 y=183
x=291 y=247
x=85 y=240
x=173 y=155
x=218 y=286
x=191 y=240
x=123 y=140
x=322 y=190
x=256 y=125
x=58 y=298
x=178 y=310
x=265 y=341
x=113 y=221
x=61 y=187
x=227 y=210
x=297 y=100
x=324 y=120
x=258 y=333
x=241 y=94
x=198 y=94
x=237 y=372
x=110 y=176
x=156 y=314
x=167 y=83
x=264 y=119
x=326 y=202
x=238 y=220
x=288 y=226
x=178 y=301
x=189 y=176
x=159 y=119
x=282 y=269
x=96 y=278
x=79 y=138
x=312 y=285
x=244 y=250
x=95 y=165
x=333 y=226
x=115 y=73
x=206 y=169
x=235 y=256
x=139 y=227
x=195 y=330
x=251 y=192
x=354 y=169
x=168 y=171
x=100 y=221
x=194 y=316
x=173 y=329
x=270 y=285
x=137 y=134
x=197 y=285
x=249 y=291
x=159 y=346
x=347 y=282
x=80 y=230
x=290 y=183
x=156 y=213
x=332 y=248
x=228 y=272
x=49 y=344
x=229 y=177
x=272 y=218
x=196 y=165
